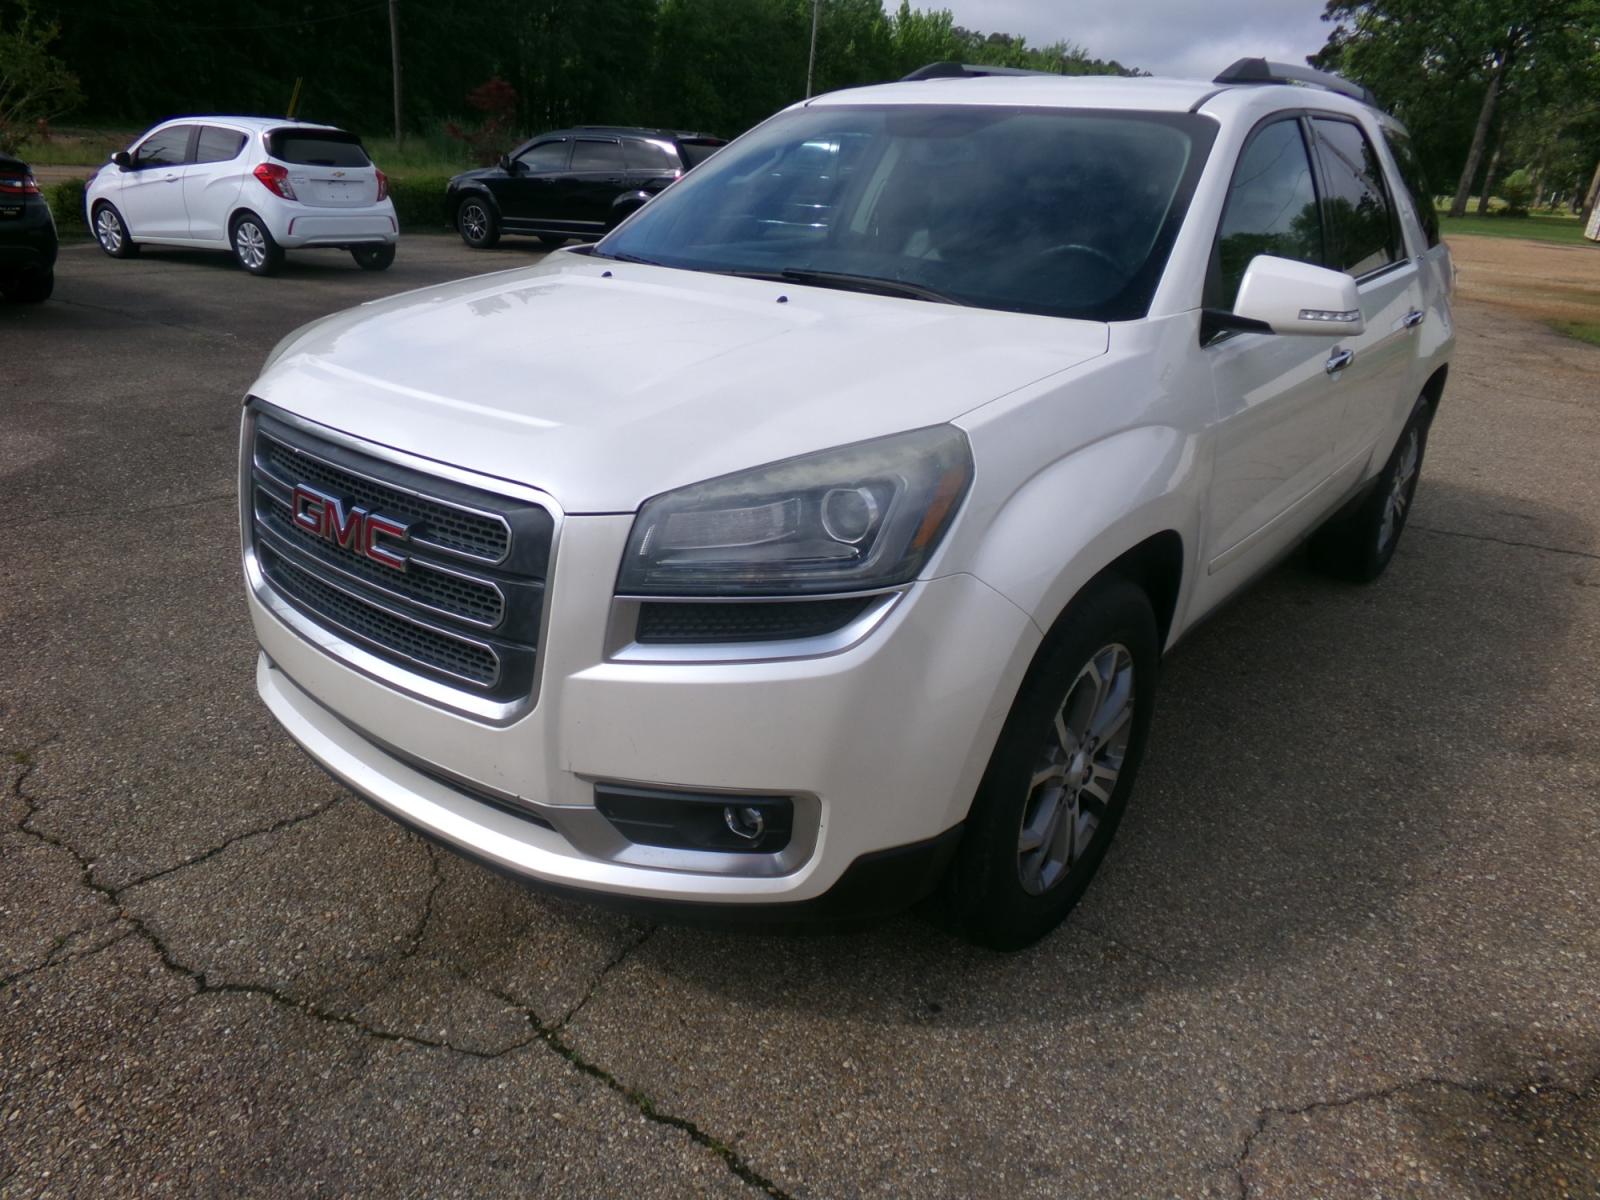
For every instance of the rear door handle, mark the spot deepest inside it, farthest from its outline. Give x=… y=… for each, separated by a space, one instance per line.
x=1338 y=361
x=1413 y=318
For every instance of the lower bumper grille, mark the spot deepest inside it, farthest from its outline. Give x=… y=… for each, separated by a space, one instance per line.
x=442 y=581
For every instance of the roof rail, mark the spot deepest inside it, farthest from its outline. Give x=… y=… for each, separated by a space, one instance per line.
x=955 y=70
x=1259 y=70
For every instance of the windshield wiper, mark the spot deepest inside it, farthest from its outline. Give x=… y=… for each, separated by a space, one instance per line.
x=628 y=258
x=844 y=281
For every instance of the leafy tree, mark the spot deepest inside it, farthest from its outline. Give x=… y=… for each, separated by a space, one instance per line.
x=1447 y=66
x=35 y=85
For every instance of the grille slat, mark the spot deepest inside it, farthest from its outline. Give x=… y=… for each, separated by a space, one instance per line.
x=466 y=608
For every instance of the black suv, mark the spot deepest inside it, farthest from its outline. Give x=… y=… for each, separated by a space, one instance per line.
x=27 y=235
x=575 y=182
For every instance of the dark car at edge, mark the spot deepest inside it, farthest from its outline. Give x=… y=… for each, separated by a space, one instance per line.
x=27 y=235
x=570 y=183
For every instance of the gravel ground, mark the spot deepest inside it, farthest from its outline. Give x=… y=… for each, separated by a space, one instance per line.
x=1345 y=945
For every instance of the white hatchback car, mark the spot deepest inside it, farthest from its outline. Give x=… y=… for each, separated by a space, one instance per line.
x=255 y=185
x=812 y=540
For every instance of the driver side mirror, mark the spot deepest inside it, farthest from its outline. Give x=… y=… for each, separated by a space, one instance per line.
x=1295 y=297
x=507 y=165
x=123 y=159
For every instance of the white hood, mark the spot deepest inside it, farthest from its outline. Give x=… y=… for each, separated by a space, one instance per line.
x=605 y=383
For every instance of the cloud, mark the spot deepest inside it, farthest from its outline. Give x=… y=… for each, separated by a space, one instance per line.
x=1187 y=38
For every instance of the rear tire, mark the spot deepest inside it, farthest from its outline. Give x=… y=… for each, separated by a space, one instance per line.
x=111 y=232
x=31 y=287
x=373 y=258
x=253 y=247
x=476 y=223
x=1059 y=779
x=1358 y=545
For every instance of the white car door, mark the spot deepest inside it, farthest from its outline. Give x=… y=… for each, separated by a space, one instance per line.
x=212 y=181
x=151 y=196
x=1279 y=404
x=1365 y=234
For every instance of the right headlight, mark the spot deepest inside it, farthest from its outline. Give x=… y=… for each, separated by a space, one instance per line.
x=854 y=518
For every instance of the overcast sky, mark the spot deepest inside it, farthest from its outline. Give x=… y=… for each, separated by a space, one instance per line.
x=1192 y=38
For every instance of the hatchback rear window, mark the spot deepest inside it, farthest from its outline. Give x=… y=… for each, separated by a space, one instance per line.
x=330 y=149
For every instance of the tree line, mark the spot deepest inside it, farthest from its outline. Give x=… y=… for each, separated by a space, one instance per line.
x=714 y=65
x=1501 y=96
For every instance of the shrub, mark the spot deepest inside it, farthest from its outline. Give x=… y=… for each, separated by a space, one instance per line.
x=497 y=101
x=66 y=202
x=419 y=202
x=1516 y=189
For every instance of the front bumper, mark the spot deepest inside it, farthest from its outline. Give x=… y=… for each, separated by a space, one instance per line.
x=881 y=742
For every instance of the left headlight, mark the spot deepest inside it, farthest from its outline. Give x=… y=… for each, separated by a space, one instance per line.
x=854 y=518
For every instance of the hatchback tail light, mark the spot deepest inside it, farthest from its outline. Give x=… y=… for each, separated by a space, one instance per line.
x=383 y=184
x=18 y=185
x=275 y=179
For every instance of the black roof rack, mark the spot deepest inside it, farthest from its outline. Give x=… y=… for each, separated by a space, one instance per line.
x=1259 y=70
x=955 y=70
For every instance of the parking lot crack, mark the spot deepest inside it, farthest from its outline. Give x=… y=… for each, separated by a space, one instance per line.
x=736 y=1163
x=1484 y=537
x=615 y=961
x=120 y=510
x=206 y=855
x=1265 y=1115
x=1129 y=948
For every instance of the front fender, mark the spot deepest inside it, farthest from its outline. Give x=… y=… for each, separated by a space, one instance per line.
x=1067 y=522
x=456 y=193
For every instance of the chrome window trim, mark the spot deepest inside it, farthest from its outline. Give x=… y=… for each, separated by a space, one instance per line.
x=489 y=712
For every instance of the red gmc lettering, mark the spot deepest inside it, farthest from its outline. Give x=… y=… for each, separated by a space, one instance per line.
x=359 y=530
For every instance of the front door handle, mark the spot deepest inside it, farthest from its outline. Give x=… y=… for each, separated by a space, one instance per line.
x=1338 y=361
x=1413 y=318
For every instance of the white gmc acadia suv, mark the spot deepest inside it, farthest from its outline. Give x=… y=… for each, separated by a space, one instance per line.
x=255 y=185
x=809 y=545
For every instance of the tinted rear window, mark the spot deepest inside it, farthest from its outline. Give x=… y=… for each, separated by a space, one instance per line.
x=1405 y=158
x=217 y=145
x=318 y=149
x=695 y=153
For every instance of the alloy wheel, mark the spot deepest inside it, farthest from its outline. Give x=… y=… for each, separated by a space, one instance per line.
x=251 y=244
x=1077 y=770
x=474 y=222
x=108 y=230
x=1399 y=498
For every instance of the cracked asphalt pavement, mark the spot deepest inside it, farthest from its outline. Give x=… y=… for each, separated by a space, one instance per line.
x=1345 y=945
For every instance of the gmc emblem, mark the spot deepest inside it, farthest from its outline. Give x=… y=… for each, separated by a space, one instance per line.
x=354 y=528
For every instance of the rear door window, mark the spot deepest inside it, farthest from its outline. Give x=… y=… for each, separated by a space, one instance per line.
x=546 y=156
x=651 y=156
x=598 y=156
x=1271 y=209
x=1405 y=157
x=1363 y=233
x=312 y=148
x=165 y=148
x=217 y=145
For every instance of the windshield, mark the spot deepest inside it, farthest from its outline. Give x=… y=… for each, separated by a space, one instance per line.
x=1062 y=212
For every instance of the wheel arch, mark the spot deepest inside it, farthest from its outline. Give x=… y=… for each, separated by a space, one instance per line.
x=1129 y=504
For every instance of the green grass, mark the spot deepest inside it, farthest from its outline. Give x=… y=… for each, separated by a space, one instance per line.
x=1537 y=227
x=1584 y=331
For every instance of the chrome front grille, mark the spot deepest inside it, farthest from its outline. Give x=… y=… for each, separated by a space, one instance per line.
x=453 y=604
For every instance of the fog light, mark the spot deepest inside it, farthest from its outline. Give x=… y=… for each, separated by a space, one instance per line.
x=683 y=820
x=744 y=821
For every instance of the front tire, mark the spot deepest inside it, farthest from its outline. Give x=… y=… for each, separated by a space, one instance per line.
x=476 y=223
x=31 y=287
x=1359 y=544
x=1059 y=779
x=254 y=247
x=373 y=258
x=112 y=232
